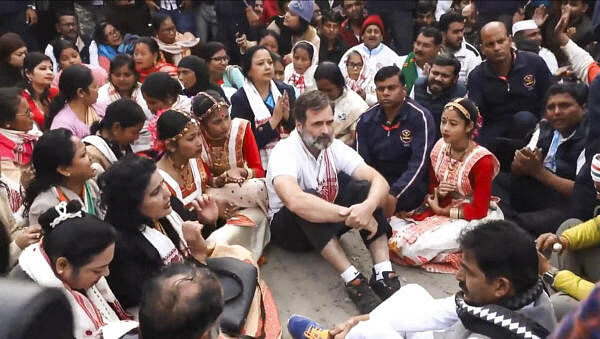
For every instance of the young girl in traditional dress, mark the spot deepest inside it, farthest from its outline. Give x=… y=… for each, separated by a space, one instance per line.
x=113 y=136
x=188 y=179
x=74 y=257
x=461 y=176
x=299 y=73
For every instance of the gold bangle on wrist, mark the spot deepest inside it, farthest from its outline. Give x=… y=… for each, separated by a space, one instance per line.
x=455 y=213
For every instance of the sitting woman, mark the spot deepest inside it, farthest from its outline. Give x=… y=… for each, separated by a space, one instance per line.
x=193 y=75
x=300 y=72
x=152 y=235
x=111 y=42
x=160 y=92
x=75 y=107
x=74 y=256
x=111 y=137
x=460 y=187
x=147 y=59
x=63 y=172
x=348 y=106
x=358 y=78
x=173 y=45
x=66 y=55
x=37 y=68
x=228 y=77
x=123 y=83
x=188 y=177
x=264 y=102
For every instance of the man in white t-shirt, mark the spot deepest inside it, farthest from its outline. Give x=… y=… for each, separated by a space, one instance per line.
x=319 y=188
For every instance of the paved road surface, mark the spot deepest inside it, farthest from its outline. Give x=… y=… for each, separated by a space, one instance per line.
x=305 y=284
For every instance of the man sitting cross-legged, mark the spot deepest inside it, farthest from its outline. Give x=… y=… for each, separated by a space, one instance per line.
x=501 y=296
x=311 y=203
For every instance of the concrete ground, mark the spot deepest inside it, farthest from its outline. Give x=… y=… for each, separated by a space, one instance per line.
x=303 y=283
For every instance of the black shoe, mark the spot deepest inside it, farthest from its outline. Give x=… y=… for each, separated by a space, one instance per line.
x=385 y=287
x=362 y=295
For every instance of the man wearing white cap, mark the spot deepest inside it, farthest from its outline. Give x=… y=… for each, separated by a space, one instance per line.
x=577 y=249
x=527 y=30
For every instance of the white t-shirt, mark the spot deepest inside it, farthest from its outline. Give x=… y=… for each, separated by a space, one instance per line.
x=291 y=157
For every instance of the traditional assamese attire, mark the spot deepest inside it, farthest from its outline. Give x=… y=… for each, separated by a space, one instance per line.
x=248 y=227
x=92 y=309
x=176 y=51
x=364 y=81
x=431 y=241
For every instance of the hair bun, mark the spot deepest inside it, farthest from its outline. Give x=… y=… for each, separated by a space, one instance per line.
x=59 y=213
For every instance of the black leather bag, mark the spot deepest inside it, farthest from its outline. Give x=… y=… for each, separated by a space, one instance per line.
x=239 y=280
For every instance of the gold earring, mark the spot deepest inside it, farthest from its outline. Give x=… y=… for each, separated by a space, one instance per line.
x=68 y=174
x=7 y=125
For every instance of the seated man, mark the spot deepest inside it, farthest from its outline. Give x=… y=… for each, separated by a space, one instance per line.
x=452 y=26
x=577 y=259
x=426 y=46
x=354 y=11
x=67 y=27
x=424 y=15
x=536 y=194
x=501 y=296
x=332 y=46
x=372 y=47
x=310 y=207
x=183 y=301
x=508 y=87
x=440 y=87
x=395 y=137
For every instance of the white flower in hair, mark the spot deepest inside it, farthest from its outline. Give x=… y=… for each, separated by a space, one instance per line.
x=63 y=215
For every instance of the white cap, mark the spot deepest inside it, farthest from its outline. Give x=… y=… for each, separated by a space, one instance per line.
x=523 y=25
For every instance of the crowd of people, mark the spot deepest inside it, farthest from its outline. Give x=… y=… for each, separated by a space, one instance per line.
x=150 y=151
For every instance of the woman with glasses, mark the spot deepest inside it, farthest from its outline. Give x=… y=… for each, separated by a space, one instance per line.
x=16 y=143
x=358 y=78
x=228 y=77
x=111 y=42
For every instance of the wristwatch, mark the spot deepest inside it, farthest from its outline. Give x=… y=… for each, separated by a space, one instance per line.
x=548 y=276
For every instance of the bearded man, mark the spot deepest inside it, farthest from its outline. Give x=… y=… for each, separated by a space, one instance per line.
x=320 y=188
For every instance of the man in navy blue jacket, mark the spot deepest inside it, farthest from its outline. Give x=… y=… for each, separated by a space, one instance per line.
x=395 y=137
x=509 y=88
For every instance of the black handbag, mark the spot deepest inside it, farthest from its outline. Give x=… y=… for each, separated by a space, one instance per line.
x=239 y=280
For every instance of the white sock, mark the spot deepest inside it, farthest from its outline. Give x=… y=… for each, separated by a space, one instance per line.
x=384 y=266
x=350 y=274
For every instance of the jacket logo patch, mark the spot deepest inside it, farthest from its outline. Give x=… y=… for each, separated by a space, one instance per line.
x=529 y=81
x=406 y=137
x=342 y=116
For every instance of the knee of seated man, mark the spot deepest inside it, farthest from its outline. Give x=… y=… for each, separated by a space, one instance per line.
x=524 y=119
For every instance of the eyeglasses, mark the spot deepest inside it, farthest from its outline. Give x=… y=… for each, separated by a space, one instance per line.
x=27 y=113
x=354 y=65
x=220 y=59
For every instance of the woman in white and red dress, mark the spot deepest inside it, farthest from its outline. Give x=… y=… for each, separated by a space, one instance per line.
x=461 y=176
x=188 y=178
x=74 y=257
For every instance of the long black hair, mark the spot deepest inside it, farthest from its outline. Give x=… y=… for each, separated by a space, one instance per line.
x=78 y=239
x=123 y=188
x=170 y=124
x=71 y=79
x=53 y=149
x=124 y=111
x=29 y=64
x=200 y=69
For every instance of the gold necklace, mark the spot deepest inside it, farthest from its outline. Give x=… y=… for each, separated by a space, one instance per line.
x=185 y=173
